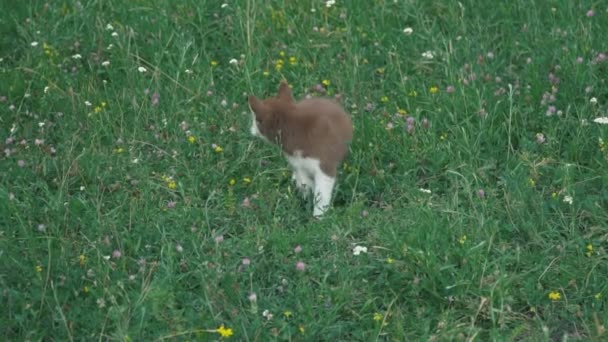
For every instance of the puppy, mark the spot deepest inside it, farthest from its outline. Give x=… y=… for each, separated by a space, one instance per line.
x=313 y=134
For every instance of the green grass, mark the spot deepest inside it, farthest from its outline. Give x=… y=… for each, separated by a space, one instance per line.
x=109 y=223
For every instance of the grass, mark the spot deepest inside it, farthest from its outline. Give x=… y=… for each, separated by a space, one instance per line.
x=135 y=206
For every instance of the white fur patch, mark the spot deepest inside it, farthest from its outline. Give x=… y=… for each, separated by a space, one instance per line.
x=309 y=177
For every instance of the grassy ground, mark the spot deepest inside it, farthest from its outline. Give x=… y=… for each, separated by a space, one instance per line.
x=135 y=206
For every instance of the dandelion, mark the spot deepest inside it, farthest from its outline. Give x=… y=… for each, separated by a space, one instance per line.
x=38 y=268
x=278 y=65
x=412 y=93
x=408 y=31
x=359 y=249
x=462 y=239
x=300 y=266
x=214 y=63
x=247 y=180
x=266 y=73
x=598 y=296
x=82 y=259
x=171 y=184
x=326 y=83
x=301 y=329
x=433 y=90
x=377 y=317
x=217 y=148
x=287 y=314
x=390 y=260
x=191 y=139
x=568 y=199
x=224 y=332
x=232 y=181
x=384 y=99
x=554 y=295
x=293 y=60
x=119 y=150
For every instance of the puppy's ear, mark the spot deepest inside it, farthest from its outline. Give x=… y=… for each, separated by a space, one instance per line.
x=285 y=92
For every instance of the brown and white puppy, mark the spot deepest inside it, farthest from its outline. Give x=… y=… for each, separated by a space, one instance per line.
x=313 y=134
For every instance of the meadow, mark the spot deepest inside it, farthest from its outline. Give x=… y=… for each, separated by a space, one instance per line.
x=136 y=206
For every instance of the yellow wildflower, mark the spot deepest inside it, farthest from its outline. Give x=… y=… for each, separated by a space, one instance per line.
x=103 y=104
x=598 y=296
x=119 y=150
x=589 y=250
x=443 y=136
x=214 y=63
x=191 y=139
x=390 y=260
x=85 y=289
x=384 y=99
x=531 y=181
x=413 y=93
x=171 y=184
x=554 y=295
x=82 y=259
x=266 y=73
x=287 y=314
x=218 y=149
x=232 y=182
x=38 y=268
x=282 y=53
x=433 y=90
x=401 y=111
x=224 y=332
x=247 y=180
x=293 y=60
x=377 y=317
x=301 y=328
x=326 y=83
x=462 y=239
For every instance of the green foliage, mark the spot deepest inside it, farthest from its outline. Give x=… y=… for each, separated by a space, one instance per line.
x=135 y=206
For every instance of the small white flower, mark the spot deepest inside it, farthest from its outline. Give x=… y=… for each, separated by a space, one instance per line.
x=408 y=31
x=109 y=27
x=76 y=56
x=34 y=44
x=601 y=120
x=82 y=188
x=87 y=103
x=224 y=5
x=135 y=161
x=330 y=3
x=41 y=124
x=427 y=191
x=46 y=89
x=114 y=34
x=593 y=100
x=141 y=69
x=267 y=314
x=27 y=95
x=233 y=61
x=105 y=63
x=358 y=249
x=13 y=128
x=568 y=199
x=188 y=71
x=224 y=103
x=428 y=55
x=110 y=47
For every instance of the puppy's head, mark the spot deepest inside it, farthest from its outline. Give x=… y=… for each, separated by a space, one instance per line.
x=265 y=113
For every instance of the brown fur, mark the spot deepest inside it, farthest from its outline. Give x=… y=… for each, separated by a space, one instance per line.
x=317 y=127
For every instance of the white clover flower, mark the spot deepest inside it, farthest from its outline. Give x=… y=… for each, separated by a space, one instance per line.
x=105 y=63
x=428 y=55
x=358 y=249
x=141 y=69
x=41 y=124
x=603 y=120
x=76 y=56
x=408 y=31
x=34 y=44
x=330 y=3
x=568 y=199
x=109 y=27
x=593 y=100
